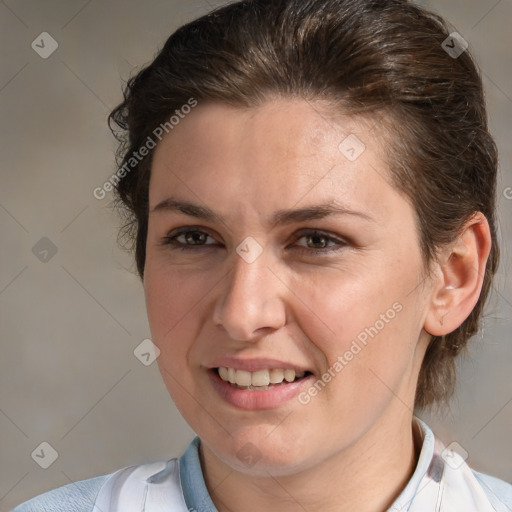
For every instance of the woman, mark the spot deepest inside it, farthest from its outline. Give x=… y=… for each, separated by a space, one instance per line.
x=311 y=185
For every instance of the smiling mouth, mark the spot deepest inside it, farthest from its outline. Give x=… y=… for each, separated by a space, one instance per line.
x=260 y=380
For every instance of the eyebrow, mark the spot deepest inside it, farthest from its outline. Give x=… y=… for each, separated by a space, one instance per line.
x=282 y=217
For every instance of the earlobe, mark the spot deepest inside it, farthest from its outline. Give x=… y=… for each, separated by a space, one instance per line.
x=460 y=275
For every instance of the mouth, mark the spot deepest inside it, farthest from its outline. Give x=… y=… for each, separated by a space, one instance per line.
x=261 y=380
x=258 y=390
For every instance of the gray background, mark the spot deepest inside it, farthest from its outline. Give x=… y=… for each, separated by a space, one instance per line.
x=69 y=325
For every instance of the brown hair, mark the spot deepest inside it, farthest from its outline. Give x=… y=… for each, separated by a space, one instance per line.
x=368 y=56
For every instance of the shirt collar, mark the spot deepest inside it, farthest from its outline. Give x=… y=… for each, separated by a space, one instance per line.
x=426 y=437
x=192 y=480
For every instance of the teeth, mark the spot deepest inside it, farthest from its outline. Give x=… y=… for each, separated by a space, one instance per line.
x=276 y=376
x=289 y=375
x=224 y=372
x=243 y=378
x=260 y=378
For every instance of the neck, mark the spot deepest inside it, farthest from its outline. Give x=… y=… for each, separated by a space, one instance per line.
x=367 y=476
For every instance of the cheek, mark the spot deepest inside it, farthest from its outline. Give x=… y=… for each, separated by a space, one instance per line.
x=172 y=302
x=342 y=304
x=367 y=323
x=171 y=295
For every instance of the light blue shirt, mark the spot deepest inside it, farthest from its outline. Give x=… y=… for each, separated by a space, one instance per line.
x=81 y=496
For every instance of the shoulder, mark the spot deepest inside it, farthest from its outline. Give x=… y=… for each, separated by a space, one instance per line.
x=78 y=497
x=498 y=491
x=122 y=490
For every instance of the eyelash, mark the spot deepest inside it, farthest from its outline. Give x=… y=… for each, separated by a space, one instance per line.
x=170 y=240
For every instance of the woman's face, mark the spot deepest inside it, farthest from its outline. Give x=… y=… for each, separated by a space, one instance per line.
x=275 y=243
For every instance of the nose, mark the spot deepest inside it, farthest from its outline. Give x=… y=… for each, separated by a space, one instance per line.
x=251 y=302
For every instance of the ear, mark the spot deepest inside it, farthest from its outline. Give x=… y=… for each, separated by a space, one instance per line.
x=461 y=270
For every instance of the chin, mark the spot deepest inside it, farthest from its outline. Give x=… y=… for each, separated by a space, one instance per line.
x=265 y=464
x=260 y=455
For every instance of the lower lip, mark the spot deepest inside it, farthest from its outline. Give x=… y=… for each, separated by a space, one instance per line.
x=257 y=400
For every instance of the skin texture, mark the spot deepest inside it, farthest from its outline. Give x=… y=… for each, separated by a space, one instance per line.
x=351 y=447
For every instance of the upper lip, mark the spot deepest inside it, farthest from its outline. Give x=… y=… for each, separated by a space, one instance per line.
x=254 y=364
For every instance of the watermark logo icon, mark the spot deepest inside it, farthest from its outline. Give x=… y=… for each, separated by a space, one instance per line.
x=455 y=45
x=508 y=193
x=249 y=455
x=146 y=352
x=454 y=455
x=352 y=147
x=45 y=455
x=44 y=250
x=44 y=45
x=249 y=250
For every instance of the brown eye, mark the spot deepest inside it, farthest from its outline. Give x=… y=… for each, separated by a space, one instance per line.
x=187 y=238
x=320 y=242
x=194 y=237
x=317 y=241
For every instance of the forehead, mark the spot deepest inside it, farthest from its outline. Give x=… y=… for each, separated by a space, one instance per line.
x=283 y=152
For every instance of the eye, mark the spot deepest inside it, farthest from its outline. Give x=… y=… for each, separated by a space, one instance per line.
x=194 y=238
x=319 y=241
x=187 y=238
